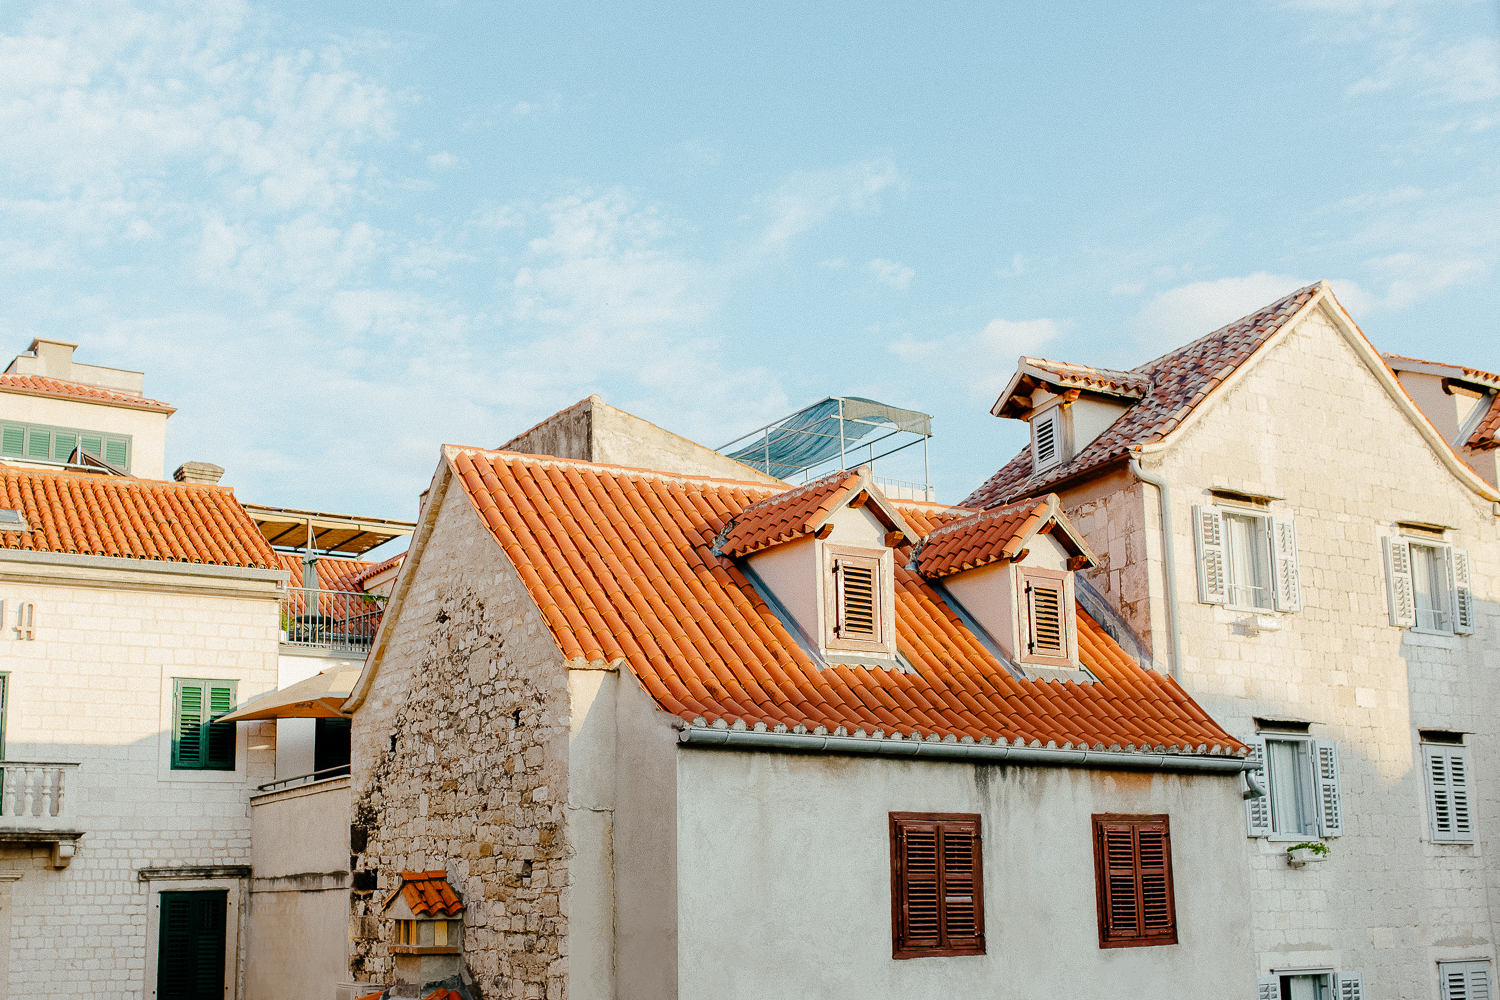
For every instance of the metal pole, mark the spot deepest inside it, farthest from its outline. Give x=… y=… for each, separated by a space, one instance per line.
x=768 y=451
x=926 y=471
x=843 y=462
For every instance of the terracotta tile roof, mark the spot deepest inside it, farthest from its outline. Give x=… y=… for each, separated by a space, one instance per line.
x=94 y=515
x=788 y=515
x=981 y=539
x=1486 y=436
x=1088 y=377
x=1394 y=361
x=1179 y=382
x=621 y=564
x=38 y=385
x=444 y=994
x=358 y=579
x=334 y=573
x=373 y=996
x=428 y=894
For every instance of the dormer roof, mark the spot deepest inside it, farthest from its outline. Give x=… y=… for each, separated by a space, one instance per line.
x=1001 y=533
x=1058 y=377
x=1486 y=433
x=427 y=894
x=796 y=513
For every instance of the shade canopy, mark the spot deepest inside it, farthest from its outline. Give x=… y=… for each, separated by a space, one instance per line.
x=823 y=432
x=328 y=532
x=318 y=697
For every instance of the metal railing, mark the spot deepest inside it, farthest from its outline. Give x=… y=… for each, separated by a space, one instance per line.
x=904 y=489
x=305 y=779
x=329 y=619
x=35 y=793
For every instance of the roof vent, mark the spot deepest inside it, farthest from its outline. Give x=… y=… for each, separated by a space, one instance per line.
x=198 y=472
x=13 y=520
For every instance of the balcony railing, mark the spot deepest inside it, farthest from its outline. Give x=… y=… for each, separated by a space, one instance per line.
x=36 y=795
x=327 y=774
x=329 y=619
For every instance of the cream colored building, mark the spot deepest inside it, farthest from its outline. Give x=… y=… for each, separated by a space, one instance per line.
x=1301 y=546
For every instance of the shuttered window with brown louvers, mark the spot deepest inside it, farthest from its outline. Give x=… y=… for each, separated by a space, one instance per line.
x=1133 y=873
x=937 y=888
x=858 y=611
x=1046 y=620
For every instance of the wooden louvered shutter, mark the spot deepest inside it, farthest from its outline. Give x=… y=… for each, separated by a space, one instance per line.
x=92 y=444
x=858 y=597
x=1045 y=604
x=1330 y=804
x=117 y=452
x=187 y=726
x=1463 y=591
x=1213 y=567
x=1400 y=593
x=190 y=946
x=1286 y=580
x=1268 y=988
x=1046 y=450
x=1350 y=986
x=198 y=741
x=63 y=445
x=1258 y=809
x=1133 y=872
x=12 y=440
x=1464 y=980
x=38 y=443
x=221 y=735
x=937 y=885
x=1448 y=810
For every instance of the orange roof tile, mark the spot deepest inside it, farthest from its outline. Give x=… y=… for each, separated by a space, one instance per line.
x=1179 y=381
x=981 y=539
x=444 y=994
x=358 y=579
x=94 y=515
x=373 y=996
x=788 y=515
x=1486 y=436
x=621 y=564
x=38 y=385
x=428 y=894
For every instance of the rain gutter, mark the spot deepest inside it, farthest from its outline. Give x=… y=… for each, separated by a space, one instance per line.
x=976 y=753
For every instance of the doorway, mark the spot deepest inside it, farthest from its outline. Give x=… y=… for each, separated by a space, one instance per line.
x=190 y=949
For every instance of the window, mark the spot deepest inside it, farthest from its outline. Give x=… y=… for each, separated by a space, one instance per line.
x=937 y=889
x=1302 y=797
x=1428 y=586
x=1051 y=637
x=190 y=948
x=1246 y=559
x=1046 y=440
x=55 y=445
x=1447 y=770
x=857 y=601
x=1133 y=881
x=405 y=932
x=198 y=742
x=1464 y=980
x=1311 y=985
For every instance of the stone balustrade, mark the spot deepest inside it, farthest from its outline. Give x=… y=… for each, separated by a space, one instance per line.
x=36 y=795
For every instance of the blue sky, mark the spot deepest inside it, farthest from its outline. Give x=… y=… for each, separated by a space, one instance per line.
x=338 y=234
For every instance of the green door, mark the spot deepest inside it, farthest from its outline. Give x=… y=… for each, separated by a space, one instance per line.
x=190 y=953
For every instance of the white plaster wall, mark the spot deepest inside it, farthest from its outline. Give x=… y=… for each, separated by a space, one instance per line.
x=95 y=687
x=784 y=880
x=1091 y=417
x=148 y=429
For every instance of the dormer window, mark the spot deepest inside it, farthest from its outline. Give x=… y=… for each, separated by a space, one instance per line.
x=1051 y=629
x=1046 y=439
x=857 y=595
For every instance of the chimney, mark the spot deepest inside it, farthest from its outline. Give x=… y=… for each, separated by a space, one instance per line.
x=198 y=472
x=55 y=357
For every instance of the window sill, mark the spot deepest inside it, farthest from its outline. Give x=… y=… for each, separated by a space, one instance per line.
x=1432 y=640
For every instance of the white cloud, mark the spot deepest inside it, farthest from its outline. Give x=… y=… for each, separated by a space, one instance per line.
x=444 y=161
x=806 y=198
x=987 y=357
x=888 y=272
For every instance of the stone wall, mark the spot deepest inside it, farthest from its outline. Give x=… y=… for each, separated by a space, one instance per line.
x=460 y=762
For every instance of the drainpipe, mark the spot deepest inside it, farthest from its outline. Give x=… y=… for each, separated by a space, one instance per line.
x=1169 y=565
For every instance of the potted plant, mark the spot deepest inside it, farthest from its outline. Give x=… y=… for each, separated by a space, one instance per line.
x=1300 y=854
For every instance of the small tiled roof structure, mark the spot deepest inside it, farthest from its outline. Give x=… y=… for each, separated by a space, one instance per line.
x=1058 y=376
x=428 y=894
x=1486 y=433
x=621 y=564
x=1179 y=381
x=86 y=514
x=993 y=535
x=40 y=385
x=1486 y=436
x=792 y=514
x=375 y=569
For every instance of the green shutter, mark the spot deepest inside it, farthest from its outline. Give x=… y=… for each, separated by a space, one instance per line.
x=115 y=452
x=187 y=731
x=190 y=947
x=40 y=444
x=63 y=446
x=93 y=445
x=220 y=734
x=12 y=440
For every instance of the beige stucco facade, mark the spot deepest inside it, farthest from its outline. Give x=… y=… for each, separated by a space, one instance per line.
x=1310 y=426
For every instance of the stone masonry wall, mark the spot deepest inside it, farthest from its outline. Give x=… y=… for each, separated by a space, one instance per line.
x=460 y=763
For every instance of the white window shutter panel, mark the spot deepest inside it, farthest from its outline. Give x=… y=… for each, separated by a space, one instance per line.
x=1285 y=578
x=1463 y=591
x=1268 y=988
x=1258 y=809
x=1213 y=567
x=1330 y=807
x=1046 y=442
x=1439 y=795
x=1479 y=981
x=1398 y=585
x=1453 y=981
x=1351 y=986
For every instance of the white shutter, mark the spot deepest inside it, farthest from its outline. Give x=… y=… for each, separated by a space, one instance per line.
x=1046 y=450
x=1351 y=986
x=1258 y=809
x=1268 y=988
x=1286 y=583
x=1213 y=568
x=1398 y=585
x=1464 y=980
x=1326 y=770
x=1448 y=810
x=1463 y=591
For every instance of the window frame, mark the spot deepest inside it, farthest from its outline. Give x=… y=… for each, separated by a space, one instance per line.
x=1062 y=580
x=1055 y=415
x=1466 y=967
x=880 y=560
x=1308 y=778
x=1277 y=570
x=1323 y=801
x=1233 y=557
x=205 y=761
x=1441 y=563
x=898 y=823
x=1457 y=588
x=1108 y=938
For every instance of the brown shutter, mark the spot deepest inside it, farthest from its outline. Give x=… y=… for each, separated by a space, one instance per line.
x=857 y=599
x=937 y=889
x=1046 y=604
x=1133 y=872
